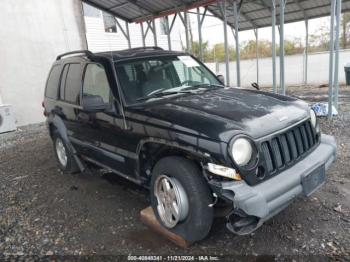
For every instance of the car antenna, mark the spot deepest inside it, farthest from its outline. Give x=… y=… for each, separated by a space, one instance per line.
x=116 y=78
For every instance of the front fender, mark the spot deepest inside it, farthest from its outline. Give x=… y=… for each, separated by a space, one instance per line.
x=210 y=150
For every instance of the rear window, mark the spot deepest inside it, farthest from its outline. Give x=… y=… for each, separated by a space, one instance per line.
x=73 y=84
x=52 y=82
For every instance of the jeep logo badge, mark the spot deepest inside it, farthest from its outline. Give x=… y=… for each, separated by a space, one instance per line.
x=283 y=118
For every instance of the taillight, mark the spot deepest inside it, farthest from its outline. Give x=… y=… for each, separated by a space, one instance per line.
x=43 y=105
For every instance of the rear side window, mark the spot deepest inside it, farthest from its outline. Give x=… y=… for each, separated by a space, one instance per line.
x=63 y=81
x=52 y=82
x=73 y=84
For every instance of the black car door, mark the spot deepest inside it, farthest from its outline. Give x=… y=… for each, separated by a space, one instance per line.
x=68 y=104
x=103 y=133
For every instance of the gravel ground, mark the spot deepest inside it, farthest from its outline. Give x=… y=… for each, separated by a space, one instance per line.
x=44 y=212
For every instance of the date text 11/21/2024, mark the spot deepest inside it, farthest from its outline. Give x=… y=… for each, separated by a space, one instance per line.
x=174 y=258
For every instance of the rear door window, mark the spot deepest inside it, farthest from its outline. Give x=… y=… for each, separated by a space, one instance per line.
x=52 y=82
x=73 y=84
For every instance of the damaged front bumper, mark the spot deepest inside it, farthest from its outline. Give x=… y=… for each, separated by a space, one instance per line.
x=253 y=205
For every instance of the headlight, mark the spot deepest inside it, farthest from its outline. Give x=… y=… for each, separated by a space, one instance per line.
x=313 y=118
x=242 y=151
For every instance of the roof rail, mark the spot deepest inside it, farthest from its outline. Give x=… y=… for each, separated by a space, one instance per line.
x=86 y=52
x=146 y=48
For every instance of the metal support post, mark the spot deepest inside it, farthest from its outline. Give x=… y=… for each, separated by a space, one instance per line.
x=256 y=31
x=169 y=28
x=336 y=58
x=200 y=35
x=222 y=6
x=274 y=46
x=128 y=34
x=154 y=30
x=143 y=35
x=124 y=32
x=200 y=20
x=282 y=82
x=188 y=48
x=331 y=55
x=306 y=50
x=168 y=32
x=236 y=10
x=184 y=20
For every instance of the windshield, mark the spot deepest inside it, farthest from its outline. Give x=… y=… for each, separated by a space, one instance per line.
x=150 y=78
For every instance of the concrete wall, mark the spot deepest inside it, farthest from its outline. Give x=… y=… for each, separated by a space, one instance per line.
x=317 y=69
x=32 y=33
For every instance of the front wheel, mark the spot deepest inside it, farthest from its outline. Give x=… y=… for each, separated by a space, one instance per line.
x=181 y=198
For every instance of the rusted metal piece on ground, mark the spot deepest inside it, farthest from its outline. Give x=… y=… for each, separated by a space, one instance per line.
x=149 y=219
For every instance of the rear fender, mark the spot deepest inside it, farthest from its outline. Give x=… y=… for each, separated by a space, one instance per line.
x=57 y=123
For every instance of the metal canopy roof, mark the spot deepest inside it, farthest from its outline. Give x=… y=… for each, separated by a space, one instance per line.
x=253 y=13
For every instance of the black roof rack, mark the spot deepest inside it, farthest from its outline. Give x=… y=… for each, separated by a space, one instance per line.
x=144 y=48
x=86 y=52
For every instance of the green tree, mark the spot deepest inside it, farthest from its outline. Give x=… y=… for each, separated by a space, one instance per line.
x=196 y=51
x=249 y=49
x=292 y=47
x=320 y=40
x=217 y=53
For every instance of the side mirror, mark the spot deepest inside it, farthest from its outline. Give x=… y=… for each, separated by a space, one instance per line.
x=256 y=86
x=221 y=79
x=94 y=103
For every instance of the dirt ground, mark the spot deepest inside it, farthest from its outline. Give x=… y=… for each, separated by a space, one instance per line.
x=44 y=212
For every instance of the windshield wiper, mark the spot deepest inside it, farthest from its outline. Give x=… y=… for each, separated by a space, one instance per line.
x=161 y=93
x=189 y=90
x=204 y=85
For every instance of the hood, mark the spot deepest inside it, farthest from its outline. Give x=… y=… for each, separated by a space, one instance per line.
x=221 y=113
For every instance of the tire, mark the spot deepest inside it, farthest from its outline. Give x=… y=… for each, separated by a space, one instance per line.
x=196 y=224
x=70 y=165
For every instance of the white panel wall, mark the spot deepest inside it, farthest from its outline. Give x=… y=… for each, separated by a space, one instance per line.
x=98 y=40
x=32 y=34
x=317 y=69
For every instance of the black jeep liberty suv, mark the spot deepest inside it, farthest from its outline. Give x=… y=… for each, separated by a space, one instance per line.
x=163 y=120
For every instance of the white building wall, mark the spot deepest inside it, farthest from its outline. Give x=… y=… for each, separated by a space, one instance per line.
x=32 y=34
x=99 y=40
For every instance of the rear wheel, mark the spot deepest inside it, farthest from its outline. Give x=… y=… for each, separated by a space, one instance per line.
x=65 y=158
x=180 y=198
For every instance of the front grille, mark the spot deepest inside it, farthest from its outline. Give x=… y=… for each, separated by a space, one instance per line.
x=288 y=148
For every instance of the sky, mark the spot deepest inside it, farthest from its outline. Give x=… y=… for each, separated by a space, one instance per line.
x=212 y=30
